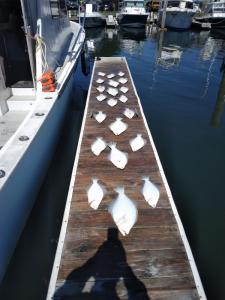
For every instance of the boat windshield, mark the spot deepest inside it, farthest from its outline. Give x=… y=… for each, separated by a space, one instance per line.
x=134 y=4
x=173 y=4
x=181 y=4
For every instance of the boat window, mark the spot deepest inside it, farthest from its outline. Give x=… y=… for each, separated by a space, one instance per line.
x=189 y=5
x=173 y=4
x=134 y=4
x=58 y=8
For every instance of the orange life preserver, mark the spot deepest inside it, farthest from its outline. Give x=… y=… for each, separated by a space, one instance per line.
x=48 y=81
x=48 y=88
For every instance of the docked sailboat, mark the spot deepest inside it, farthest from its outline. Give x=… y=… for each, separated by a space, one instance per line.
x=179 y=14
x=132 y=14
x=214 y=15
x=39 y=50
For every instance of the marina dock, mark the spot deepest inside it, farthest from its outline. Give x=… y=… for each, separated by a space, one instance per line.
x=93 y=260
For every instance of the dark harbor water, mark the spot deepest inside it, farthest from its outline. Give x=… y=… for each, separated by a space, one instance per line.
x=180 y=79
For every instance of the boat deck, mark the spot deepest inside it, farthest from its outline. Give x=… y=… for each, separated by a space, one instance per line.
x=9 y=123
x=93 y=260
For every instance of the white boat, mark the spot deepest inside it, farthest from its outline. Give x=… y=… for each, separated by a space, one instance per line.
x=92 y=18
x=214 y=15
x=179 y=14
x=132 y=14
x=35 y=36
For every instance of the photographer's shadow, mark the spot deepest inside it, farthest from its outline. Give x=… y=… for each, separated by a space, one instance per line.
x=105 y=276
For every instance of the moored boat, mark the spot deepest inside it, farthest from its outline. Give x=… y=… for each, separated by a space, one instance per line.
x=92 y=18
x=39 y=51
x=179 y=14
x=132 y=14
x=214 y=15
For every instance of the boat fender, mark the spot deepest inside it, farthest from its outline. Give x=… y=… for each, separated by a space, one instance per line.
x=48 y=81
x=85 y=62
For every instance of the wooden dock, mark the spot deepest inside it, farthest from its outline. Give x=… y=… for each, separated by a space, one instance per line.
x=93 y=261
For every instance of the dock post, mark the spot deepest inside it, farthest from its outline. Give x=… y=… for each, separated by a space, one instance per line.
x=163 y=20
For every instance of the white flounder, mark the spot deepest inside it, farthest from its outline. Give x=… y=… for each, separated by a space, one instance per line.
x=112 y=102
x=101 y=74
x=124 y=89
x=112 y=91
x=100 y=80
x=124 y=212
x=113 y=83
x=150 y=192
x=123 y=98
x=123 y=80
x=101 y=88
x=121 y=74
x=118 y=126
x=98 y=146
x=99 y=116
x=129 y=113
x=117 y=157
x=111 y=75
x=101 y=97
x=137 y=143
x=95 y=194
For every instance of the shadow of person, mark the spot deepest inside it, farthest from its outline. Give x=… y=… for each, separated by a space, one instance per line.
x=105 y=276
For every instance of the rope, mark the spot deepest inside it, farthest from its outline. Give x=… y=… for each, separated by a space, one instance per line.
x=43 y=48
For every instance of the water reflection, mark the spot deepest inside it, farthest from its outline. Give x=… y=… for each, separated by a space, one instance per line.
x=111 y=41
x=219 y=106
x=169 y=54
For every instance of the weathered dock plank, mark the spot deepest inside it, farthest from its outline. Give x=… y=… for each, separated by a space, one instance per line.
x=93 y=261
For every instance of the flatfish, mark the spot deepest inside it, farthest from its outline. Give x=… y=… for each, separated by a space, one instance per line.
x=100 y=116
x=121 y=74
x=117 y=157
x=101 y=74
x=150 y=192
x=100 y=80
x=123 y=98
x=112 y=102
x=111 y=75
x=98 y=146
x=100 y=88
x=95 y=194
x=101 y=97
x=137 y=143
x=113 y=83
x=112 y=91
x=124 y=212
x=118 y=126
x=122 y=80
x=124 y=89
x=129 y=113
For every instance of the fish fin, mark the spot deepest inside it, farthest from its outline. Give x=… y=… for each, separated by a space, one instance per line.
x=112 y=144
x=120 y=189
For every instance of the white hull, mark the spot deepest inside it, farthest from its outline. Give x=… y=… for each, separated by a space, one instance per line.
x=24 y=162
x=20 y=190
x=178 y=19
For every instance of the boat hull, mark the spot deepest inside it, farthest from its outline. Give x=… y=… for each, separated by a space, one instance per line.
x=179 y=20
x=27 y=177
x=132 y=20
x=215 y=22
x=91 y=22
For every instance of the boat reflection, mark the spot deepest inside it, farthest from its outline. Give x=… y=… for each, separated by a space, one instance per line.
x=132 y=40
x=219 y=106
x=137 y=34
x=168 y=54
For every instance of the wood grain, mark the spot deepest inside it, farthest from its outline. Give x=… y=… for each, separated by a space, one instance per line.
x=99 y=263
